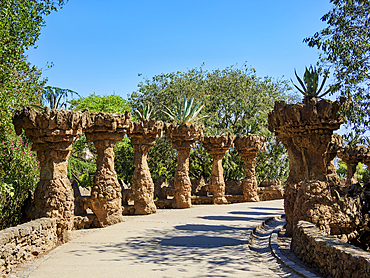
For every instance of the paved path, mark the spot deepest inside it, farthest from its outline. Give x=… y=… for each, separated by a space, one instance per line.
x=204 y=241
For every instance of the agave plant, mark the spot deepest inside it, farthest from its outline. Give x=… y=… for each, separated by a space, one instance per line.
x=311 y=83
x=185 y=112
x=353 y=139
x=144 y=112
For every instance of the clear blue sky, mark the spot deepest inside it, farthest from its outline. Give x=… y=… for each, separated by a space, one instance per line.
x=101 y=46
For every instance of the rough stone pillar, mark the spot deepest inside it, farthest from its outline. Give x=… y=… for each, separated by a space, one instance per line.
x=105 y=132
x=217 y=146
x=352 y=156
x=248 y=146
x=306 y=130
x=183 y=138
x=143 y=135
x=52 y=133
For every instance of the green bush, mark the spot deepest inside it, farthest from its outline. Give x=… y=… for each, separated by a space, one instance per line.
x=19 y=174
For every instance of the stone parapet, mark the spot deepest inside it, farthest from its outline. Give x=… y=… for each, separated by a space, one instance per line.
x=26 y=242
x=328 y=254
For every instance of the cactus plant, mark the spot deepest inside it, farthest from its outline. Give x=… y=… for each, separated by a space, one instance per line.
x=310 y=84
x=184 y=113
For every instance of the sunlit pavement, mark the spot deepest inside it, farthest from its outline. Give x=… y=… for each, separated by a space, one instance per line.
x=203 y=241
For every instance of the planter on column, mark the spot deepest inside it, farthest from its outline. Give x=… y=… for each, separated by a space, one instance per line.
x=248 y=146
x=306 y=130
x=143 y=135
x=52 y=133
x=217 y=146
x=183 y=138
x=105 y=132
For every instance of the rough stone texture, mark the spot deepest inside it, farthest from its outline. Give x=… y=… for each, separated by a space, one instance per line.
x=143 y=135
x=27 y=241
x=351 y=215
x=105 y=132
x=306 y=129
x=52 y=133
x=314 y=204
x=352 y=156
x=272 y=192
x=233 y=187
x=328 y=254
x=248 y=146
x=183 y=138
x=160 y=188
x=217 y=146
x=199 y=187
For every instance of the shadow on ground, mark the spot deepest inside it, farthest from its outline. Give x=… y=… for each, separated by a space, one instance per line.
x=212 y=250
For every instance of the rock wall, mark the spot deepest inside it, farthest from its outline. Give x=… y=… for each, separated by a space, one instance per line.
x=25 y=242
x=328 y=254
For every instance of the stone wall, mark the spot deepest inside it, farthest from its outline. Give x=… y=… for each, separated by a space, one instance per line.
x=25 y=242
x=328 y=254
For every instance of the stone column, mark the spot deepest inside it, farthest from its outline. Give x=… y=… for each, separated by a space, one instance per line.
x=143 y=135
x=248 y=146
x=183 y=138
x=106 y=196
x=52 y=133
x=217 y=146
x=306 y=130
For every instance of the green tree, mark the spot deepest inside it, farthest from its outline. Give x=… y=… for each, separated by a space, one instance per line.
x=108 y=104
x=345 y=45
x=235 y=100
x=20 y=85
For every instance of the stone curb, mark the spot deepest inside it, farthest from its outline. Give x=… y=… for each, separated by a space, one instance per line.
x=283 y=259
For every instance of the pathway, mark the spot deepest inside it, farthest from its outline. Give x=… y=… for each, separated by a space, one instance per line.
x=204 y=241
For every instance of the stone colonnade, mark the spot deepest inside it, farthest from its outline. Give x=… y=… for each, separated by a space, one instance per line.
x=52 y=133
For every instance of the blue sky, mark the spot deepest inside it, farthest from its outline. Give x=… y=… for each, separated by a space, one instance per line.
x=101 y=46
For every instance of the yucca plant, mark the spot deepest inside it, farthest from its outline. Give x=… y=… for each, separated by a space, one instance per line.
x=144 y=112
x=311 y=83
x=185 y=112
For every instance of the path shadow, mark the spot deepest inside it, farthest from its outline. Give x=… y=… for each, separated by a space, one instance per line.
x=191 y=250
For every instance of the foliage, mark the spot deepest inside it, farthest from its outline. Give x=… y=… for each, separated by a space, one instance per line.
x=53 y=97
x=124 y=160
x=185 y=113
x=144 y=112
x=345 y=43
x=20 y=85
x=311 y=83
x=236 y=102
x=108 y=104
x=353 y=139
x=19 y=174
x=20 y=27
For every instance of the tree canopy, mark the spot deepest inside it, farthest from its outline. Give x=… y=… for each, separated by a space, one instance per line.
x=235 y=100
x=345 y=45
x=20 y=85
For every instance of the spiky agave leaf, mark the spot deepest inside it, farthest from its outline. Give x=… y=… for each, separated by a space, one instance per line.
x=185 y=112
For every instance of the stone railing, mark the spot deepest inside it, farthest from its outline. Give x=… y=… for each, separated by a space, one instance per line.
x=27 y=241
x=328 y=254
